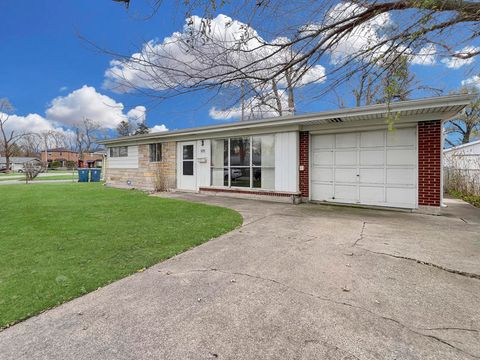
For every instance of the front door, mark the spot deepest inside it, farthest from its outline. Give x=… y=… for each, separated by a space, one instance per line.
x=186 y=169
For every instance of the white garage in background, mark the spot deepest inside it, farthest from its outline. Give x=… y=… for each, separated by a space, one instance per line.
x=377 y=167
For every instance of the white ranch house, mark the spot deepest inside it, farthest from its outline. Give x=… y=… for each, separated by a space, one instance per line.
x=347 y=156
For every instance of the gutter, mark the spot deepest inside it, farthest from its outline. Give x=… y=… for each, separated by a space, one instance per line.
x=428 y=103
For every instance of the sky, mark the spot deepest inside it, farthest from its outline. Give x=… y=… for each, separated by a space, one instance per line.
x=52 y=74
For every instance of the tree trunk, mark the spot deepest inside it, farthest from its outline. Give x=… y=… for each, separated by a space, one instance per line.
x=277 y=97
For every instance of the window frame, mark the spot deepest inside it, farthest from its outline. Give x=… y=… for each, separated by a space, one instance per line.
x=115 y=152
x=251 y=167
x=150 y=155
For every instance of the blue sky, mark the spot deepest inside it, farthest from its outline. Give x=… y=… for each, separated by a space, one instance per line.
x=43 y=58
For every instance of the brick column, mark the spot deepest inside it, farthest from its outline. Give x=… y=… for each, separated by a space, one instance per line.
x=303 y=162
x=429 y=163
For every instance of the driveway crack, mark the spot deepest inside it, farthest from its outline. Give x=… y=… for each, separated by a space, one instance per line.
x=361 y=234
x=342 y=303
x=453 y=271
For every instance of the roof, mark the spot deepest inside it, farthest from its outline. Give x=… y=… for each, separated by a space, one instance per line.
x=448 y=106
x=17 y=160
x=471 y=143
x=60 y=149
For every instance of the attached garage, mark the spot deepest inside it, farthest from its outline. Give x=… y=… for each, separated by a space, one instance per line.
x=347 y=156
x=377 y=167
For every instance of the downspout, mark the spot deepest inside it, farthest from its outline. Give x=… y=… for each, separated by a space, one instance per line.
x=442 y=143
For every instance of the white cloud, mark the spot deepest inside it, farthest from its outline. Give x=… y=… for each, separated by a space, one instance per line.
x=28 y=123
x=455 y=62
x=254 y=108
x=63 y=88
x=34 y=123
x=137 y=114
x=473 y=81
x=158 y=128
x=86 y=102
x=425 y=56
x=361 y=38
x=368 y=41
x=185 y=58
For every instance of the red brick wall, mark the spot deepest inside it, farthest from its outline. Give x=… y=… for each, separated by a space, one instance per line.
x=429 y=162
x=304 y=153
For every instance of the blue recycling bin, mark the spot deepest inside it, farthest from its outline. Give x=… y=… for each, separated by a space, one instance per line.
x=82 y=175
x=95 y=175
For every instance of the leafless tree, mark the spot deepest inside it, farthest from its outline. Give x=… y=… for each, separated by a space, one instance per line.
x=9 y=137
x=466 y=126
x=87 y=133
x=309 y=31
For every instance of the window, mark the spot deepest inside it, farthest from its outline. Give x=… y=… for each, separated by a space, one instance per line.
x=244 y=162
x=155 y=152
x=187 y=159
x=119 y=151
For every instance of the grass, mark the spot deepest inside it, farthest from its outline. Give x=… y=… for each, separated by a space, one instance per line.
x=59 y=241
x=472 y=199
x=56 y=177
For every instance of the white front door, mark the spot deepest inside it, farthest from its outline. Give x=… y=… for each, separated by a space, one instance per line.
x=369 y=167
x=186 y=169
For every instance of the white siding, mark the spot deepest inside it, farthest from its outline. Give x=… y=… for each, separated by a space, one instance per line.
x=128 y=162
x=286 y=161
x=466 y=157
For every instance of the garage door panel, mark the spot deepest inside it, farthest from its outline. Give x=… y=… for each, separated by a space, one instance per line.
x=346 y=157
x=402 y=137
x=345 y=193
x=371 y=176
x=401 y=157
x=400 y=197
x=347 y=140
x=372 y=167
x=401 y=176
x=372 y=139
x=322 y=174
x=372 y=157
x=321 y=157
x=323 y=141
x=347 y=175
x=372 y=195
x=322 y=192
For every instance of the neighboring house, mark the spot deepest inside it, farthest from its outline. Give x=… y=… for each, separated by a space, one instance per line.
x=462 y=167
x=64 y=156
x=16 y=163
x=465 y=156
x=343 y=156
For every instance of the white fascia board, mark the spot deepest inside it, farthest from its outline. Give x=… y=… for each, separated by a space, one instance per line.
x=379 y=109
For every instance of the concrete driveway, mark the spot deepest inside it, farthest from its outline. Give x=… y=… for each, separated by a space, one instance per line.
x=294 y=282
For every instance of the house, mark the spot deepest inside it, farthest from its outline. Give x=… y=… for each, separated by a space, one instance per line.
x=347 y=156
x=65 y=156
x=16 y=163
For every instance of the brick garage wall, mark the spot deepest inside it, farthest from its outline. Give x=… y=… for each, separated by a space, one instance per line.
x=303 y=161
x=429 y=162
x=148 y=175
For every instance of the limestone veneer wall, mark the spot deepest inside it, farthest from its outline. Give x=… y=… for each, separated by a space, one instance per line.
x=148 y=173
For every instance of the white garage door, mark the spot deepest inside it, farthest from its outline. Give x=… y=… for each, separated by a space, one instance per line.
x=369 y=167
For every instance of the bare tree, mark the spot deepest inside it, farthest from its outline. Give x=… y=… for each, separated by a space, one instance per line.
x=466 y=126
x=309 y=31
x=87 y=133
x=9 y=138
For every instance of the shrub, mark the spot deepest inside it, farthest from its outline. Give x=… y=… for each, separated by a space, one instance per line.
x=54 y=164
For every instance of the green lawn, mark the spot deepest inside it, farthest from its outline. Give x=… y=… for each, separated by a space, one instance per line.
x=59 y=241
